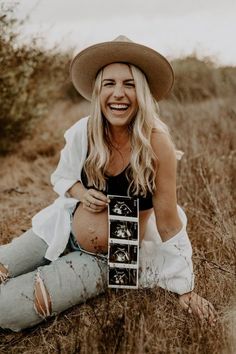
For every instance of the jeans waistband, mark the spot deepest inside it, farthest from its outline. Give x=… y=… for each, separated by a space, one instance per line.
x=76 y=247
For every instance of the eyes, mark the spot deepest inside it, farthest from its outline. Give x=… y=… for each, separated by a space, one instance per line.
x=126 y=84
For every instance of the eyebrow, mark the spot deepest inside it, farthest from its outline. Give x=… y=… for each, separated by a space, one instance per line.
x=114 y=80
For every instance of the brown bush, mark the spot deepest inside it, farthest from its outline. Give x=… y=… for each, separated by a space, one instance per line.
x=29 y=81
x=197 y=80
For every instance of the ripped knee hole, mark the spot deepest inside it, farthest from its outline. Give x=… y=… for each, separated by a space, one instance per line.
x=42 y=301
x=4 y=274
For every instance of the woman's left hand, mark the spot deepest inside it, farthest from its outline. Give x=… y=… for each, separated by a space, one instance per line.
x=198 y=306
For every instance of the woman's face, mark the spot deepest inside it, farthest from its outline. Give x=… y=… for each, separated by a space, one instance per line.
x=118 y=95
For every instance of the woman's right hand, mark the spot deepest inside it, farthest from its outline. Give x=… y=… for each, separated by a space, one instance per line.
x=199 y=307
x=94 y=201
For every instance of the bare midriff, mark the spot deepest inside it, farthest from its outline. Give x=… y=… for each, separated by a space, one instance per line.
x=91 y=229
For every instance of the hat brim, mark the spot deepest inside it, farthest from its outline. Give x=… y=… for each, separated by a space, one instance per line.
x=86 y=65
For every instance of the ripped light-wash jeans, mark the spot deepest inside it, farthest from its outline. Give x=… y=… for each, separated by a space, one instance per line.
x=71 y=279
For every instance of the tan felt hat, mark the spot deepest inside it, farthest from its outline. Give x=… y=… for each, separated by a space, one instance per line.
x=86 y=65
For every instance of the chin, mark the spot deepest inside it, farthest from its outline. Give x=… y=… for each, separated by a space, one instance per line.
x=118 y=121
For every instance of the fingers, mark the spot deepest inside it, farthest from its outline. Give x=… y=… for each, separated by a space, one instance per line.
x=94 y=200
x=184 y=302
x=93 y=209
x=99 y=196
x=206 y=310
x=199 y=306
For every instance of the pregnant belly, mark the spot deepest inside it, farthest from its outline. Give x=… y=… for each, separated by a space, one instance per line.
x=91 y=229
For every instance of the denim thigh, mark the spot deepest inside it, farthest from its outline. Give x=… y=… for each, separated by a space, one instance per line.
x=23 y=254
x=69 y=280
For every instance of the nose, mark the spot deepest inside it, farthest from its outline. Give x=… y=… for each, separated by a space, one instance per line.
x=118 y=91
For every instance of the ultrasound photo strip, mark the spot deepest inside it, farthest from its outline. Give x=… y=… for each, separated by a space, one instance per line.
x=122 y=231
x=123 y=278
x=123 y=254
x=123 y=208
x=123 y=247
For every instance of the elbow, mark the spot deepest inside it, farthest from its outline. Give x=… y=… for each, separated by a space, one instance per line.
x=168 y=225
x=62 y=186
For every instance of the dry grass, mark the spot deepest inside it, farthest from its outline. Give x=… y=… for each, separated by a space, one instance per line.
x=201 y=113
x=143 y=321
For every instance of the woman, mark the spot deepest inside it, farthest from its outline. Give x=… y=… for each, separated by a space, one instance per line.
x=122 y=148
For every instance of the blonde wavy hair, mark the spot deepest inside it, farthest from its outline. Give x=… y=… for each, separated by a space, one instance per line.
x=142 y=168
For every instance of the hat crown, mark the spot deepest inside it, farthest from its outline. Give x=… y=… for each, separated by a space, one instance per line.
x=122 y=38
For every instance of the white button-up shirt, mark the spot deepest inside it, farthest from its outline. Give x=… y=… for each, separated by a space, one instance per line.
x=167 y=264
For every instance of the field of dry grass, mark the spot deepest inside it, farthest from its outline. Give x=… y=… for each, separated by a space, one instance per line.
x=143 y=321
x=201 y=113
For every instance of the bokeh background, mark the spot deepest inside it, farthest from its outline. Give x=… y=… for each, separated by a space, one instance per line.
x=38 y=103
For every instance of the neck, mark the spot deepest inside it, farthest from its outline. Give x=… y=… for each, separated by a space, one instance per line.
x=119 y=136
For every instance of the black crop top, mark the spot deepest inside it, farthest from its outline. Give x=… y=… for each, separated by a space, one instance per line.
x=118 y=185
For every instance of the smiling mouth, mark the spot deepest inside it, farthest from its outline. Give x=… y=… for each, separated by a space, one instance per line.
x=118 y=107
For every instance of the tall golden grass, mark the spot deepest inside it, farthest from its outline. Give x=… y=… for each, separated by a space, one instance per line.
x=143 y=321
x=201 y=115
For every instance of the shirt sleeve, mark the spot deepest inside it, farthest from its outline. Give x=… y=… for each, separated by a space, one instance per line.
x=68 y=170
x=167 y=264
x=175 y=268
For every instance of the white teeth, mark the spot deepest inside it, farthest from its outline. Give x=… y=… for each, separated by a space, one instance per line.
x=119 y=106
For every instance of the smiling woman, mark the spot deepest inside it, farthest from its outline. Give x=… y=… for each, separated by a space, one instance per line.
x=124 y=149
x=118 y=95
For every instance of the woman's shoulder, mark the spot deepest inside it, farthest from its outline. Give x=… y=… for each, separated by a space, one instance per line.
x=77 y=128
x=162 y=145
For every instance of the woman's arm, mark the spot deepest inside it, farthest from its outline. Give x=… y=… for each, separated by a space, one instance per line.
x=167 y=219
x=77 y=191
x=164 y=199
